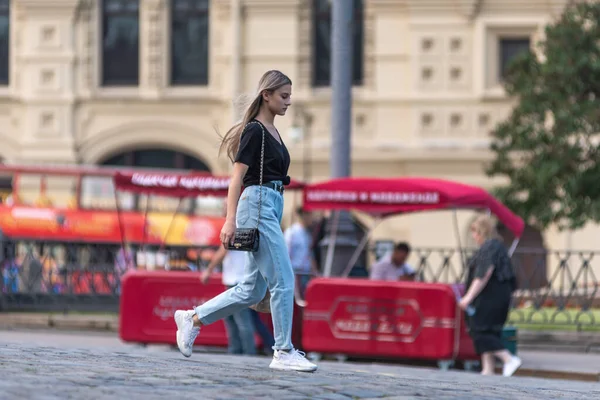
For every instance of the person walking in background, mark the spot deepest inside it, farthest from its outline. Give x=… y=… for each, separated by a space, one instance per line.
x=393 y=266
x=239 y=325
x=258 y=154
x=299 y=243
x=490 y=284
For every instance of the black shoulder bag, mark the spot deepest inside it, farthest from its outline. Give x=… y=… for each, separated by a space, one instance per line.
x=247 y=239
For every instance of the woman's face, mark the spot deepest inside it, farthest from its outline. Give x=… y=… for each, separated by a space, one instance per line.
x=476 y=236
x=279 y=100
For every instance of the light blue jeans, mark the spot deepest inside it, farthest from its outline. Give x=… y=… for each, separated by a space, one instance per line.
x=269 y=267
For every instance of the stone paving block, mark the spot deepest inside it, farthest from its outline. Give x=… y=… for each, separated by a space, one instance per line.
x=309 y=390
x=31 y=371
x=357 y=393
x=332 y=396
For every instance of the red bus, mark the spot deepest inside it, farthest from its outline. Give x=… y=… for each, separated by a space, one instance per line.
x=62 y=231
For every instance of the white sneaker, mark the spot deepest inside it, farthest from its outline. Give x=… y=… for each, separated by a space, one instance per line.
x=512 y=366
x=186 y=331
x=293 y=360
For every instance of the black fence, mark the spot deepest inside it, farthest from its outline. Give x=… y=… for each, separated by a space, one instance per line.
x=554 y=287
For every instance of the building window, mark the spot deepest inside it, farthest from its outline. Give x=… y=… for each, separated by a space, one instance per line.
x=509 y=50
x=322 y=43
x=120 y=43
x=189 y=42
x=4 y=41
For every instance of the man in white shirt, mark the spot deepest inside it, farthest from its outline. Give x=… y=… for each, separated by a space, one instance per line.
x=393 y=266
x=298 y=239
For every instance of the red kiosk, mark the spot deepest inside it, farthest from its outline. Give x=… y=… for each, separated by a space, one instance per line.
x=407 y=320
x=149 y=298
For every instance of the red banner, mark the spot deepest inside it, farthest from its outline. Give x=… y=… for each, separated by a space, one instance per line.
x=172 y=184
x=178 y=185
x=404 y=195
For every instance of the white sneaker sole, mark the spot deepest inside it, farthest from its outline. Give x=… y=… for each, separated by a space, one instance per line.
x=179 y=315
x=513 y=369
x=282 y=367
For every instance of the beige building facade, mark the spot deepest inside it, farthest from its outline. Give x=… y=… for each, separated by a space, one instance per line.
x=88 y=80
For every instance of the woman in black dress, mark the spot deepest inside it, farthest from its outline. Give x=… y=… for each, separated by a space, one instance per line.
x=490 y=282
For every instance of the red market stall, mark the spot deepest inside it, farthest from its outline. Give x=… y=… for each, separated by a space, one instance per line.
x=149 y=298
x=391 y=319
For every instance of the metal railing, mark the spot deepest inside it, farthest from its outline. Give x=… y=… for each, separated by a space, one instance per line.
x=558 y=288
x=555 y=289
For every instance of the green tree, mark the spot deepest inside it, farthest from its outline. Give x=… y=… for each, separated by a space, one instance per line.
x=548 y=148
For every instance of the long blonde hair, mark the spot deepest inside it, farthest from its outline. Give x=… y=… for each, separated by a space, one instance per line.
x=485 y=227
x=270 y=81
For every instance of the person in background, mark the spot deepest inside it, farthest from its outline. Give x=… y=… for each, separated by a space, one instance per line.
x=124 y=260
x=393 y=267
x=298 y=239
x=239 y=325
x=490 y=284
x=267 y=338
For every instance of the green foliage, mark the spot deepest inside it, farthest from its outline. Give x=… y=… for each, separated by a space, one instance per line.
x=548 y=148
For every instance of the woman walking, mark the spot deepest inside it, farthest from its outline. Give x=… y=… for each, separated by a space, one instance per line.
x=490 y=282
x=258 y=155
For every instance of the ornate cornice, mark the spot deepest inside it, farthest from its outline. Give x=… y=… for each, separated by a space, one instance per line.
x=271 y=6
x=471 y=8
x=47 y=7
x=466 y=8
x=386 y=5
x=556 y=7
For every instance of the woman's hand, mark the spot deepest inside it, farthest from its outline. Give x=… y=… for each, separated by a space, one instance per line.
x=464 y=303
x=227 y=233
x=205 y=275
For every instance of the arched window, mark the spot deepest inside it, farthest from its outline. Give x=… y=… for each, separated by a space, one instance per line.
x=156 y=158
x=95 y=189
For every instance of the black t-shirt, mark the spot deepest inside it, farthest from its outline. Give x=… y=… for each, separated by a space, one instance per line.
x=277 y=157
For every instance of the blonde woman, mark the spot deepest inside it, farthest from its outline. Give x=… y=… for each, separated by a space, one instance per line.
x=490 y=282
x=270 y=266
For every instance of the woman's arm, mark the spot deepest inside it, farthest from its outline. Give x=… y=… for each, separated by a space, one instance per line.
x=477 y=286
x=216 y=259
x=233 y=195
x=235 y=188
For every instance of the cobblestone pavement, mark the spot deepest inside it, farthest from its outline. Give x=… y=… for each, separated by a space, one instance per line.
x=58 y=366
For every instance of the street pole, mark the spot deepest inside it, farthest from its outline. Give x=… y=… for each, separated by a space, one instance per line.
x=341 y=86
x=345 y=241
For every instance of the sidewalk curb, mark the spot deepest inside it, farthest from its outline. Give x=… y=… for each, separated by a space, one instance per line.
x=60 y=321
x=546 y=374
